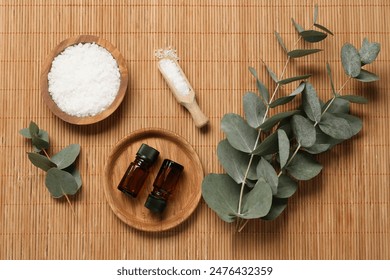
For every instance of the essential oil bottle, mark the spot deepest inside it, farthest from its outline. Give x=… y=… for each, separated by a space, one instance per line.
x=138 y=170
x=164 y=185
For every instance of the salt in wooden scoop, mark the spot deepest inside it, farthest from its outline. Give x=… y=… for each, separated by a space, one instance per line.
x=178 y=83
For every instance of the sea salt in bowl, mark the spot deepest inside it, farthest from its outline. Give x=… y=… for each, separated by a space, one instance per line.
x=84 y=79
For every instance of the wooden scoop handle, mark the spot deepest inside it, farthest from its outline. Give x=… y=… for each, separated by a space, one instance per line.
x=199 y=118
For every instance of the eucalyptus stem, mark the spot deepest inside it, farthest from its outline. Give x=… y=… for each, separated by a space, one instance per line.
x=316 y=123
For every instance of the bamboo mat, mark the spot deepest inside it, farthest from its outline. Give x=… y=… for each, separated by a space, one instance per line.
x=341 y=214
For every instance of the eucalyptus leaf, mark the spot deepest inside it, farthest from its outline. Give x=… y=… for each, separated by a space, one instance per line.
x=254 y=109
x=271 y=73
x=367 y=77
x=354 y=98
x=323 y=28
x=280 y=41
x=350 y=60
x=311 y=103
x=258 y=201
x=297 y=26
x=354 y=122
x=253 y=72
x=315 y=14
x=263 y=91
x=335 y=127
x=266 y=171
x=322 y=144
x=235 y=163
x=302 y=52
x=222 y=195
x=303 y=167
x=39 y=143
x=329 y=72
x=313 y=36
x=293 y=79
x=339 y=105
x=75 y=173
x=281 y=101
x=41 y=161
x=239 y=134
x=60 y=183
x=284 y=147
x=277 y=208
x=33 y=129
x=25 y=132
x=369 y=51
x=287 y=187
x=299 y=89
x=66 y=156
x=304 y=131
x=268 y=146
x=272 y=121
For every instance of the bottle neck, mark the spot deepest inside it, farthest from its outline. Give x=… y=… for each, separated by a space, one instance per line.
x=142 y=162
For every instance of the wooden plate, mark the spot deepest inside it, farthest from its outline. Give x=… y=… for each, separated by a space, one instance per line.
x=188 y=190
x=47 y=66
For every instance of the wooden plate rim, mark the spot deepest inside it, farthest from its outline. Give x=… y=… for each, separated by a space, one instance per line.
x=47 y=66
x=117 y=150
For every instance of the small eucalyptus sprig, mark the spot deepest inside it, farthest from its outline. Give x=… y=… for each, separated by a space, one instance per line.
x=62 y=177
x=263 y=156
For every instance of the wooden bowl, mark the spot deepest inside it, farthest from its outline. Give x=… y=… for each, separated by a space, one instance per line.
x=47 y=66
x=187 y=193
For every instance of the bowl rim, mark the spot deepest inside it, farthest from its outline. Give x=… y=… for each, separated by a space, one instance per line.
x=47 y=66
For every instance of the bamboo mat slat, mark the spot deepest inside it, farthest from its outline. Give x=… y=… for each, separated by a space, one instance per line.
x=343 y=213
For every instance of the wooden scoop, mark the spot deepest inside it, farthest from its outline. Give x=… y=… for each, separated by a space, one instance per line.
x=187 y=100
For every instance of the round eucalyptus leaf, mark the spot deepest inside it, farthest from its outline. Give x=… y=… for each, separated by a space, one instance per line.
x=41 y=161
x=367 y=77
x=258 y=201
x=287 y=187
x=25 y=132
x=284 y=147
x=303 y=167
x=304 y=131
x=350 y=60
x=60 y=183
x=335 y=127
x=254 y=109
x=66 y=156
x=34 y=129
x=268 y=146
x=311 y=103
x=275 y=119
x=266 y=171
x=369 y=51
x=278 y=206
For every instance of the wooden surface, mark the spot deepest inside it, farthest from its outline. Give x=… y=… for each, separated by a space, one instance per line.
x=341 y=214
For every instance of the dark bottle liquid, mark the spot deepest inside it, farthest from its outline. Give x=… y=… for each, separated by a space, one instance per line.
x=138 y=170
x=164 y=185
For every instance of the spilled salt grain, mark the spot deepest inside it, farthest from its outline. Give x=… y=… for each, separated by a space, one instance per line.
x=173 y=73
x=84 y=80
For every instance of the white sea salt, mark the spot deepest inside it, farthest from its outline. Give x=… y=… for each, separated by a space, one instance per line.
x=84 y=80
x=173 y=73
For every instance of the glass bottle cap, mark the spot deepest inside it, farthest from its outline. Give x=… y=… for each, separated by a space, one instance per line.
x=148 y=153
x=155 y=204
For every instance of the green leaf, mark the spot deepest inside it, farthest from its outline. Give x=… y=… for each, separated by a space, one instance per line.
x=322 y=144
x=234 y=162
x=253 y=72
x=239 y=134
x=350 y=60
x=281 y=101
x=221 y=194
x=66 y=156
x=268 y=146
x=354 y=122
x=278 y=206
x=258 y=201
x=280 y=40
x=25 y=132
x=75 y=173
x=311 y=103
x=329 y=72
x=60 y=183
x=315 y=14
x=263 y=91
x=39 y=144
x=303 y=167
x=268 y=124
x=284 y=147
x=271 y=73
x=313 y=36
x=335 y=127
x=287 y=187
x=369 y=51
x=367 y=77
x=354 y=98
x=293 y=79
x=339 y=105
x=298 y=90
x=41 y=161
x=33 y=129
x=323 y=28
x=254 y=109
x=304 y=131
x=302 y=52
x=266 y=171
x=297 y=26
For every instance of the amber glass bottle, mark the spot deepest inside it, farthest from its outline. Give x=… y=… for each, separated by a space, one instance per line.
x=138 y=170
x=164 y=185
